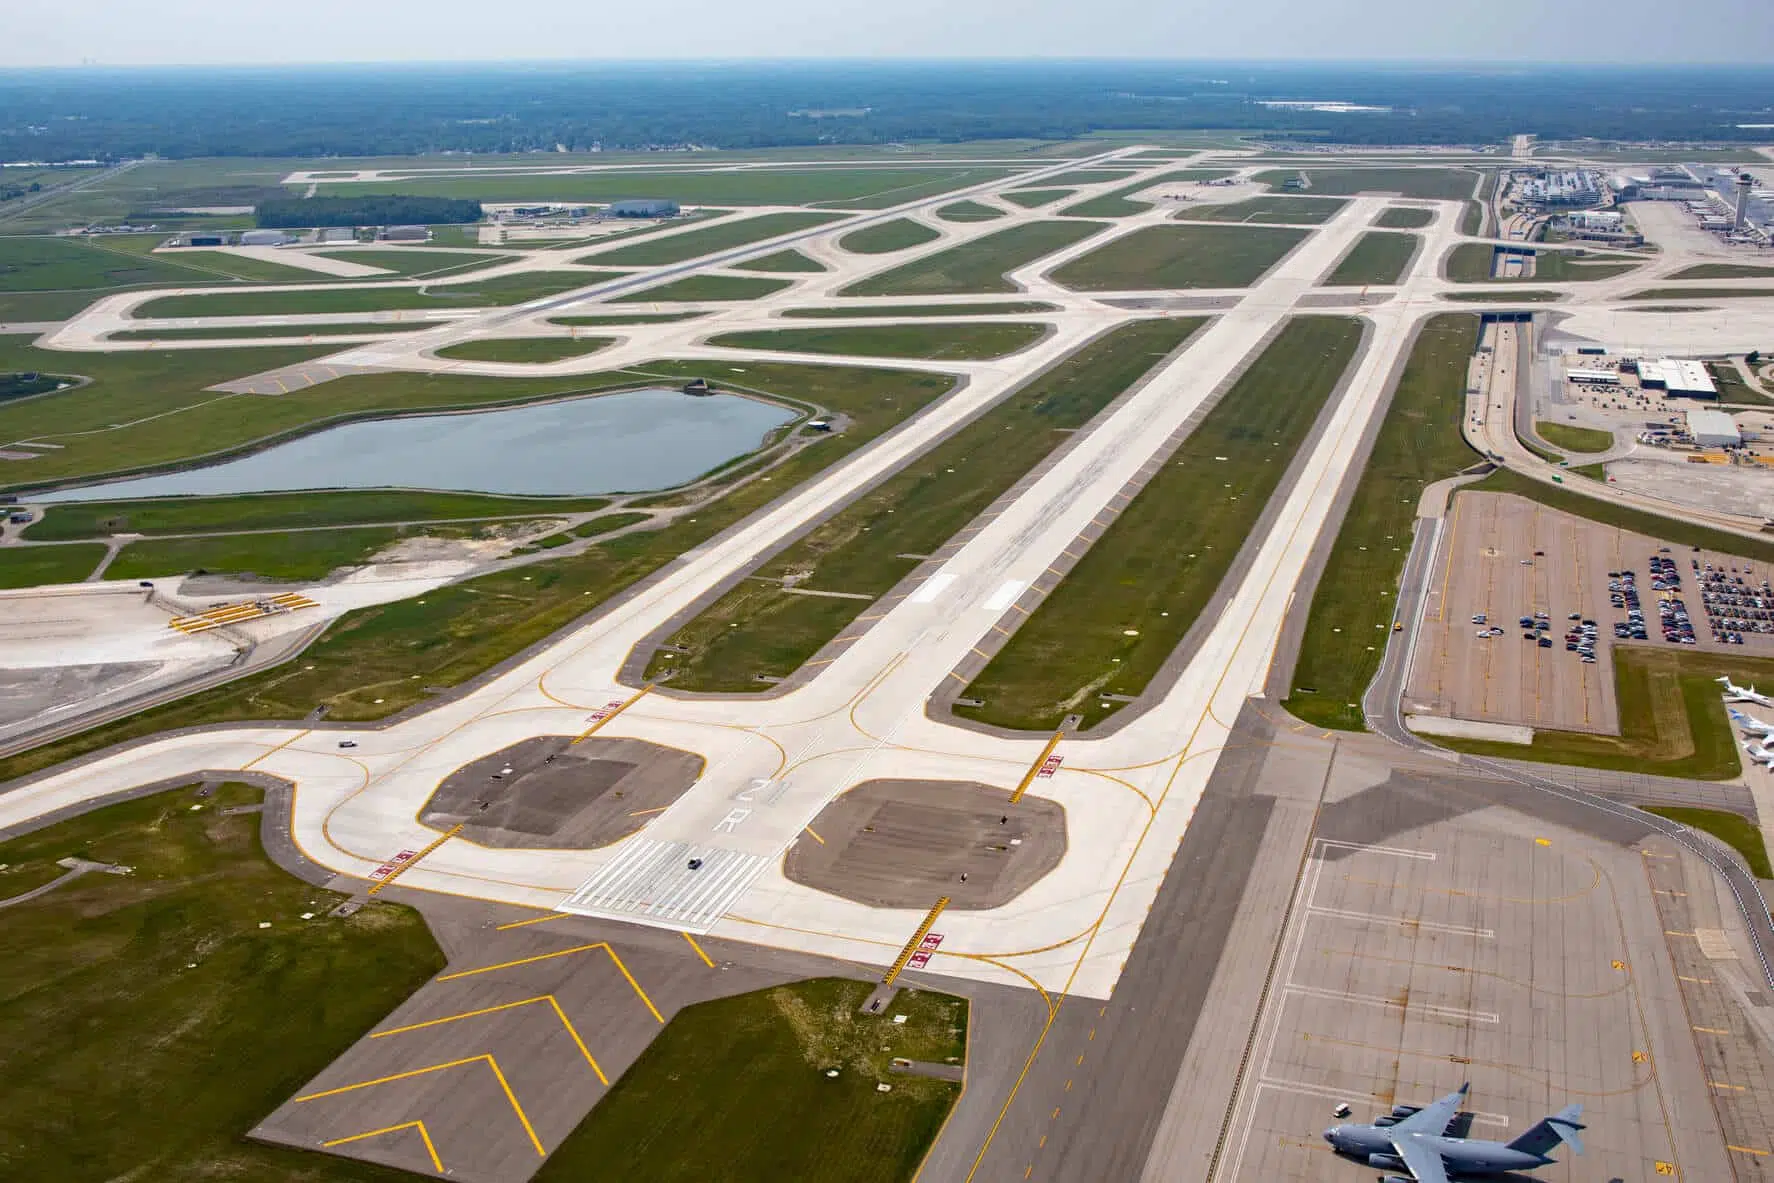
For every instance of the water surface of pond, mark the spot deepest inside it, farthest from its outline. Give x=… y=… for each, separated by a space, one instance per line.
x=633 y=441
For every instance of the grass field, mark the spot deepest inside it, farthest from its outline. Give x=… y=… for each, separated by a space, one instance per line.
x=962 y=342
x=607 y=523
x=1611 y=513
x=298 y=555
x=162 y=984
x=248 y=333
x=1731 y=386
x=1724 y=271
x=1672 y=722
x=1118 y=203
x=969 y=211
x=1309 y=211
x=759 y=628
x=223 y=265
x=886 y=237
x=624 y=318
x=1733 y=829
x=1030 y=198
x=416 y=262
x=1404 y=217
x=781 y=262
x=1377 y=257
x=285 y=511
x=376 y=661
x=33 y=566
x=1114 y=620
x=1352 y=609
x=496 y=292
x=714 y=288
x=1571 y=438
x=1006 y=308
x=763 y=1108
x=62 y=264
x=1180 y=256
x=1473 y=262
x=1088 y=176
x=1699 y=293
x=976 y=266
x=854 y=187
x=1523 y=296
x=525 y=349
x=147 y=409
x=1446 y=184
x=693 y=244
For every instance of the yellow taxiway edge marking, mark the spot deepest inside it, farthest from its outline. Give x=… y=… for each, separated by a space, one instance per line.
x=533 y=920
x=917 y=937
x=1747 y=1150
x=706 y=960
x=468 y=973
x=645 y=812
x=269 y=752
x=430 y=1148
x=628 y=702
x=1713 y=1030
x=636 y=986
x=1029 y=776
x=403 y=868
x=815 y=834
x=550 y=999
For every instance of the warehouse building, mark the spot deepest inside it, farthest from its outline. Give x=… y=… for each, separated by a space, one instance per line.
x=1676 y=377
x=1714 y=429
x=642 y=207
x=264 y=238
x=407 y=234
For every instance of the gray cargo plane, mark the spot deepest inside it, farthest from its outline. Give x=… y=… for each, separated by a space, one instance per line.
x=1416 y=1140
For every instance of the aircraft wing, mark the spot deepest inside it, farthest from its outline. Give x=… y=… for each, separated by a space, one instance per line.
x=1420 y=1160
x=1433 y=1118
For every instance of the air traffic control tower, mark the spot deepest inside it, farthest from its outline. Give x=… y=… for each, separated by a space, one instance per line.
x=1740 y=218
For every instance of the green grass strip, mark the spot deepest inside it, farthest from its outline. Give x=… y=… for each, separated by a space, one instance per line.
x=887 y=237
x=965 y=342
x=861 y=552
x=1699 y=293
x=762 y=1106
x=1118 y=615
x=1377 y=257
x=1733 y=829
x=494 y=292
x=249 y=332
x=969 y=211
x=203 y=946
x=1572 y=438
x=1307 y=210
x=782 y=262
x=299 y=555
x=286 y=511
x=976 y=266
x=1353 y=607
x=705 y=287
x=1181 y=255
x=1119 y=204
x=693 y=244
x=1006 y=308
x=34 y=566
x=534 y=350
x=1404 y=217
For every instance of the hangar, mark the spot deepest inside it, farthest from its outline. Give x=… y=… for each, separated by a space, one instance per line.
x=1677 y=376
x=641 y=207
x=1714 y=429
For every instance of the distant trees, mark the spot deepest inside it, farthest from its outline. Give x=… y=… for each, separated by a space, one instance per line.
x=384 y=209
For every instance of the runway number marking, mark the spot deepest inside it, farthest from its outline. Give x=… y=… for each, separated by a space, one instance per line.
x=732 y=821
x=926 y=949
x=388 y=868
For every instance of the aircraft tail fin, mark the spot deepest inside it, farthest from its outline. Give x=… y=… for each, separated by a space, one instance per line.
x=1546 y=1134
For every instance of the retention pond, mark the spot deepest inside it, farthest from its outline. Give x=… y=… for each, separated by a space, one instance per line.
x=632 y=441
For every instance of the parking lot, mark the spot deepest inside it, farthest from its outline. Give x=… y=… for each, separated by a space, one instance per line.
x=1506 y=558
x=1519 y=957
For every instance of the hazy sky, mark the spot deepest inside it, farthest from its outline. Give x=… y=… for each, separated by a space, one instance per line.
x=66 y=32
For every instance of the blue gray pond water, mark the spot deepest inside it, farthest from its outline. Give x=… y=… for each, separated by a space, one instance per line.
x=632 y=441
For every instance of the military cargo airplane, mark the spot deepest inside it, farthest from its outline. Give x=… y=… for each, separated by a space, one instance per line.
x=1415 y=1140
